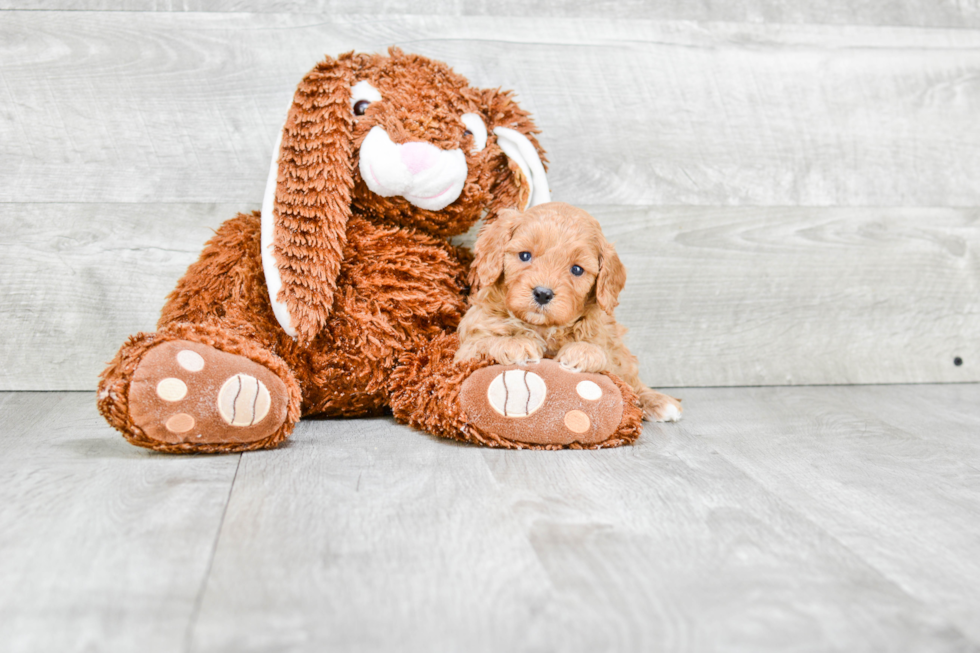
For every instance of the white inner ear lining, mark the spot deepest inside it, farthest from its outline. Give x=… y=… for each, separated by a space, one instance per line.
x=520 y=150
x=474 y=123
x=273 y=281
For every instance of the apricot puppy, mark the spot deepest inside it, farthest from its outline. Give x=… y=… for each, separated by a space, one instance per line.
x=546 y=283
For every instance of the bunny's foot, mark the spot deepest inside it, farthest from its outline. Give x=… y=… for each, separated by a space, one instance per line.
x=186 y=392
x=544 y=405
x=536 y=406
x=181 y=395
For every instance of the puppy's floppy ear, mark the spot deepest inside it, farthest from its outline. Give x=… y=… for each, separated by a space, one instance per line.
x=488 y=251
x=520 y=181
x=611 y=278
x=308 y=202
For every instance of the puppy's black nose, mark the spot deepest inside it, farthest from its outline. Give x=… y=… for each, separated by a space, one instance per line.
x=543 y=295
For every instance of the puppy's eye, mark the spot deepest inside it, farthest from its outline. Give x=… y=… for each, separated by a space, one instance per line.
x=577 y=270
x=360 y=107
x=467 y=132
x=524 y=256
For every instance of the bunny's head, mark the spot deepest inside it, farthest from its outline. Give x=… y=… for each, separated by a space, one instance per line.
x=399 y=140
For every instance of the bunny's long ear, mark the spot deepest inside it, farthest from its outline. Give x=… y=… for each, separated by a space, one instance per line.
x=308 y=199
x=522 y=183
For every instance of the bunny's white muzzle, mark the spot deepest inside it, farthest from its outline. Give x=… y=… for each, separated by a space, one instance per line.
x=426 y=176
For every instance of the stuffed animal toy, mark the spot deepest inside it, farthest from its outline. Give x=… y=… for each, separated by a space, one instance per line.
x=342 y=297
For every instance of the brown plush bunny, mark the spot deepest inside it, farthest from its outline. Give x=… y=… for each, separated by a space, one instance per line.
x=342 y=298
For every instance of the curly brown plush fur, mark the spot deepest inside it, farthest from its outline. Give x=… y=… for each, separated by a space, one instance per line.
x=371 y=285
x=320 y=187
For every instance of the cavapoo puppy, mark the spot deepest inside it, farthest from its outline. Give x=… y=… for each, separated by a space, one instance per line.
x=545 y=284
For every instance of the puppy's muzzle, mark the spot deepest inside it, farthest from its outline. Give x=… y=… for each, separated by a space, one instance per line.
x=543 y=295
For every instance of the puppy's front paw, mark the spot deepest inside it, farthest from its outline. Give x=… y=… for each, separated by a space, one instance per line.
x=582 y=357
x=515 y=351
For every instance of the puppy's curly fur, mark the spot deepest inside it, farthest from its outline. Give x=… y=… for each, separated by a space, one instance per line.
x=546 y=283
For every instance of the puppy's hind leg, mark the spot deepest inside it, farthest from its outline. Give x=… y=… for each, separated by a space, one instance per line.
x=657 y=406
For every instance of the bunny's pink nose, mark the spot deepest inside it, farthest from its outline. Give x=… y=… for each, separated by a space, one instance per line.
x=418 y=156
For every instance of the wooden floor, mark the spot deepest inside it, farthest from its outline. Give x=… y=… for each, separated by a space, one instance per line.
x=793 y=518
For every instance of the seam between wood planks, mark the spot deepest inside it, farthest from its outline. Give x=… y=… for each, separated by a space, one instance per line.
x=198 y=600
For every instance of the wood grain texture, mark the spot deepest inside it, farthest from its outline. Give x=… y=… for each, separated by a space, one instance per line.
x=910 y=409
x=77 y=279
x=103 y=546
x=726 y=296
x=801 y=519
x=921 y=13
x=383 y=538
x=799 y=296
x=173 y=107
x=369 y=536
x=888 y=492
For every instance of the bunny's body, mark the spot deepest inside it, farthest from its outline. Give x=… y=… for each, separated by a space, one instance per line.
x=341 y=298
x=397 y=290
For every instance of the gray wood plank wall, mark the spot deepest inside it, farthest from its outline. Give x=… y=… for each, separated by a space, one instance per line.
x=794 y=191
x=913 y=13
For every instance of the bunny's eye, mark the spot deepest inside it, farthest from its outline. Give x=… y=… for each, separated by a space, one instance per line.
x=524 y=256
x=362 y=94
x=360 y=107
x=577 y=270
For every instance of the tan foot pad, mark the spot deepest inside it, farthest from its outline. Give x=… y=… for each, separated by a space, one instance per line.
x=184 y=391
x=542 y=404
